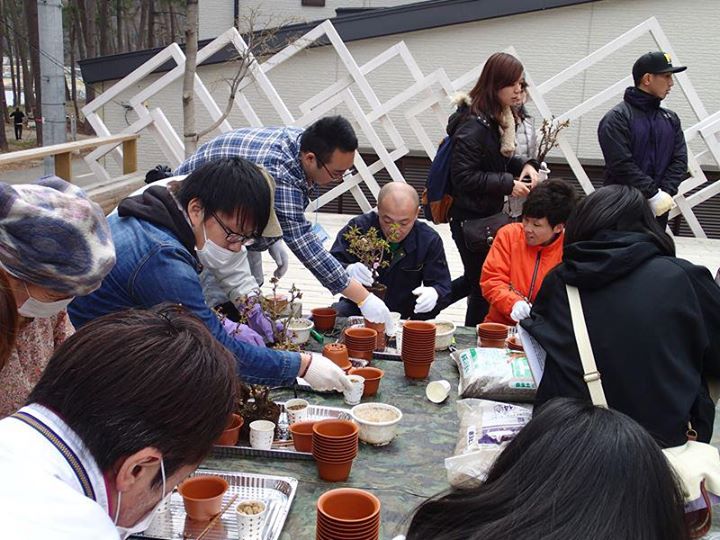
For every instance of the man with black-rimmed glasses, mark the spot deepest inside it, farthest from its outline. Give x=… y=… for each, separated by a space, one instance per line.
x=299 y=160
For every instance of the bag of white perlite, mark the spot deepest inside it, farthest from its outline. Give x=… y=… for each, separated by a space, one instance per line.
x=486 y=427
x=497 y=374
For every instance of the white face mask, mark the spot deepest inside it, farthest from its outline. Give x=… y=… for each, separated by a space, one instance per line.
x=213 y=256
x=144 y=523
x=35 y=309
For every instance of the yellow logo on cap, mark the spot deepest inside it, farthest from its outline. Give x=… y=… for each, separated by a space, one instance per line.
x=667 y=58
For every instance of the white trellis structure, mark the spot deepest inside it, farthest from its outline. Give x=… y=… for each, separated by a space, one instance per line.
x=426 y=95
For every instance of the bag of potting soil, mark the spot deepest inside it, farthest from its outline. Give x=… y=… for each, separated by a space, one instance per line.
x=496 y=374
x=486 y=427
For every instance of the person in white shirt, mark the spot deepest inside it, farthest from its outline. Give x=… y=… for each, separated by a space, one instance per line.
x=126 y=409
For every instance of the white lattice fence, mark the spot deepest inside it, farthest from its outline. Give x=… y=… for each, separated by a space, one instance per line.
x=427 y=94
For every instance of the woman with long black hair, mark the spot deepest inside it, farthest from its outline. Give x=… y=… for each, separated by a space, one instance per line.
x=483 y=167
x=575 y=472
x=653 y=319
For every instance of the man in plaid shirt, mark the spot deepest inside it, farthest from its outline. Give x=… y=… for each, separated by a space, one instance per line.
x=299 y=160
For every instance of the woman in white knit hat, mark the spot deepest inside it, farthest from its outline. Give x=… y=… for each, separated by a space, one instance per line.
x=55 y=244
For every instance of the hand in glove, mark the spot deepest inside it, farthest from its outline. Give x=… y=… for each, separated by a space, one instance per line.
x=260 y=323
x=323 y=375
x=243 y=333
x=374 y=310
x=661 y=203
x=279 y=254
x=361 y=273
x=427 y=297
x=520 y=311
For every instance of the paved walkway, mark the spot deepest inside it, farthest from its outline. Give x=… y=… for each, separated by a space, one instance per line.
x=698 y=251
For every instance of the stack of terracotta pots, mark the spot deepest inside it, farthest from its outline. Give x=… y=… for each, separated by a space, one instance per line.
x=418 y=348
x=380 y=329
x=334 y=447
x=348 y=513
x=360 y=342
x=492 y=335
x=338 y=353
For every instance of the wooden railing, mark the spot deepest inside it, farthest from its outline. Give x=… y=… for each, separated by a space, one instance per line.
x=63 y=153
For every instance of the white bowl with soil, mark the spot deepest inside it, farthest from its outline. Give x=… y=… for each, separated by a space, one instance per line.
x=378 y=422
x=300 y=329
x=444 y=332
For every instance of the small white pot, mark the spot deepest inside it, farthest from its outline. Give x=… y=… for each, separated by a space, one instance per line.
x=376 y=433
x=300 y=330
x=444 y=333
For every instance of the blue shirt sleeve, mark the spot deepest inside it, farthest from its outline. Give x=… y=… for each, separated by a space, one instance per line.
x=167 y=276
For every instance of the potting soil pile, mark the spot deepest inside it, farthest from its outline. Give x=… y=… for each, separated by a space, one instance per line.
x=494 y=374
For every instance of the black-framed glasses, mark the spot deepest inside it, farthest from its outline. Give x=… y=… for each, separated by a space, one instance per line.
x=232 y=237
x=340 y=176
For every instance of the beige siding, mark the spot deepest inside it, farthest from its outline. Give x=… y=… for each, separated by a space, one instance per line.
x=215 y=17
x=546 y=41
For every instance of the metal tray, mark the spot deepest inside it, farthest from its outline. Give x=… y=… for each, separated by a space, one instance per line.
x=283 y=449
x=277 y=492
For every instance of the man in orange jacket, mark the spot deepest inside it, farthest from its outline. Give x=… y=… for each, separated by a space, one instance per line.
x=523 y=253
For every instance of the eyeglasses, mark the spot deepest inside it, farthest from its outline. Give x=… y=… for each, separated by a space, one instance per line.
x=341 y=176
x=232 y=237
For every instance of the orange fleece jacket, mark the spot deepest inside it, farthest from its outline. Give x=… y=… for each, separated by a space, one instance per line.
x=512 y=261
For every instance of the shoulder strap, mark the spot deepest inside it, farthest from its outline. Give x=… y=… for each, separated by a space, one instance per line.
x=591 y=375
x=71 y=457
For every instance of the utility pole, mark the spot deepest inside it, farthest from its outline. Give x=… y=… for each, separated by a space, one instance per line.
x=52 y=75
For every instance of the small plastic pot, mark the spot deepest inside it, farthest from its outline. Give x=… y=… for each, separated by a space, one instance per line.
x=202 y=496
x=324 y=318
x=231 y=434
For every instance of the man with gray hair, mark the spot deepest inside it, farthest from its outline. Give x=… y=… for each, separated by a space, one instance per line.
x=417 y=273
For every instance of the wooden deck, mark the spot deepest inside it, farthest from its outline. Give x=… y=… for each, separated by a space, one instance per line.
x=698 y=251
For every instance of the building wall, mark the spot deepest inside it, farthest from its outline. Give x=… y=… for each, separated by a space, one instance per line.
x=546 y=41
x=215 y=14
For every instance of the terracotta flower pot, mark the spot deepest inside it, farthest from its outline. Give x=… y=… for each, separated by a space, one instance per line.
x=231 y=434
x=416 y=371
x=372 y=376
x=492 y=343
x=334 y=472
x=202 y=496
x=324 y=318
x=302 y=435
x=380 y=329
x=348 y=506
x=338 y=353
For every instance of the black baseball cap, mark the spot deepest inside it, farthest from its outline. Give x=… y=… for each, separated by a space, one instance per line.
x=654 y=62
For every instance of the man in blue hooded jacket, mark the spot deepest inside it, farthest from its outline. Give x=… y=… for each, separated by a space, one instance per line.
x=642 y=143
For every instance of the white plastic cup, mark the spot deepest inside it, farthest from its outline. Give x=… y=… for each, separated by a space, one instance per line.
x=354 y=395
x=437 y=391
x=299 y=414
x=262 y=433
x=250 y=525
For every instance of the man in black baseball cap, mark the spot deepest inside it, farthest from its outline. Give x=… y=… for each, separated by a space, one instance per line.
x=643 y=143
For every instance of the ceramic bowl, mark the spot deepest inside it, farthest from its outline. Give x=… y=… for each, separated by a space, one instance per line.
x=378 y=433
x=300 y=329
x=444 y=334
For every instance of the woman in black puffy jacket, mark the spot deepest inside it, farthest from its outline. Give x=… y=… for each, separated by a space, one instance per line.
x=483 y=167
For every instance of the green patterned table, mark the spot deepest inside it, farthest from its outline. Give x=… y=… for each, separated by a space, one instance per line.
x=401 y=474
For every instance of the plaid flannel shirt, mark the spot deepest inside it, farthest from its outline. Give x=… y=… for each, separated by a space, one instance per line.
x=278 y=151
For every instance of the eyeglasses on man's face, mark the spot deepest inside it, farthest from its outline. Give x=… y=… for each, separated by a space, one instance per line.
x=232 y=237
x=336 y=175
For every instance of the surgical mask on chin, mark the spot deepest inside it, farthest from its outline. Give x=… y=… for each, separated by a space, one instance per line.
x=35 y=309
x=213 y=256
x=144 y=523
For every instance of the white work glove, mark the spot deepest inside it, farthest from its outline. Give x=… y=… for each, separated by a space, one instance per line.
x=520 y=311
x=361 y=273
x=427 y=297
x=279 y=254
x=323 y=375
x=375 y=310
x=661 y=203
